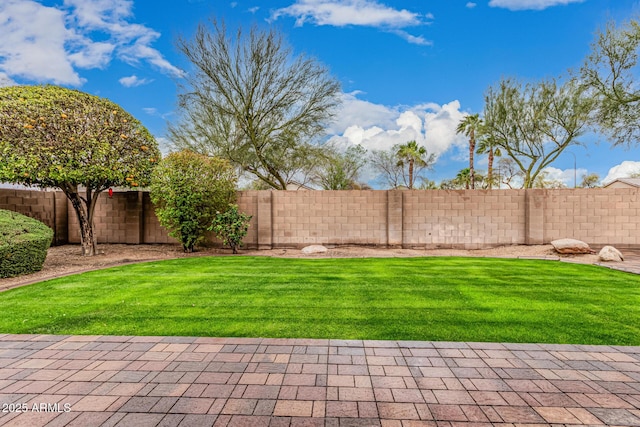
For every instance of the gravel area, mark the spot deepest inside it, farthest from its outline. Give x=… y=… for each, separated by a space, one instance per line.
x=67 y=259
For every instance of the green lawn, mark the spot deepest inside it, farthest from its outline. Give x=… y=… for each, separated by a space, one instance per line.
x=451 y=299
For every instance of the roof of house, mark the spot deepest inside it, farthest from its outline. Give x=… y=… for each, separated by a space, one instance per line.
x=633 y=182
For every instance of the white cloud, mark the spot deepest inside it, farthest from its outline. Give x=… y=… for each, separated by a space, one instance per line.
x=365 y=13
x=356 y=112
x=378 y=127
x=33 y=42
x=471 y=5
x=566 y=176
x=133 y=81
x=623 y=170
x=349 y=12
x=133 y=41
x=48 y=44
x=6 y=80
x=93 y=55
x=530 y=4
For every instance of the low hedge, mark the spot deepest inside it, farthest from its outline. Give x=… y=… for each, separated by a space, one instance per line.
x=23 y=244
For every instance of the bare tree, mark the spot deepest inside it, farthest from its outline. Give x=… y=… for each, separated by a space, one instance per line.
x=508 y=171
x=339 y=169
x=251 y=101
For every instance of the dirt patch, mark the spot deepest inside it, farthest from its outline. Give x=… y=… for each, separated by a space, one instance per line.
x=67 y=259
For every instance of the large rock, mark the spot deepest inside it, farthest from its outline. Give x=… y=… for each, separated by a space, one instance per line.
x=314 y=249
x=571 y=246
x=610 y=254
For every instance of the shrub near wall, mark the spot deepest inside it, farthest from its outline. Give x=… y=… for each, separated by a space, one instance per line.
x=23 y=244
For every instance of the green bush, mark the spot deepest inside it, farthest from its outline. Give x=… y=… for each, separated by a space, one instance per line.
x=231 y=227
x=188 y=189
x=23 y=244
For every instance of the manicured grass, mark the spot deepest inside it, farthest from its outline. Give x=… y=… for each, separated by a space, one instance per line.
x=451 y=299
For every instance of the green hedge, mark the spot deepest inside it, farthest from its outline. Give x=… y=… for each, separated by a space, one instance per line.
x=23 y=244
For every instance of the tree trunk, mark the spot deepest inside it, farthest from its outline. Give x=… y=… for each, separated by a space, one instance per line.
x=472 y=149
x=85 y=222
x=411 y=174
x=490 y=169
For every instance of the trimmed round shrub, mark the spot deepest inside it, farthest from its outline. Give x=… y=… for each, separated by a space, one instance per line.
x=23 y=244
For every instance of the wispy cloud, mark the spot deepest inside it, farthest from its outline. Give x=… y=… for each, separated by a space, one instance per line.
x=419 y=40
x=365 y=13
x=153 y=111
x=51 y=44
x=133 y=81
x=471 y=5
x=530 y=4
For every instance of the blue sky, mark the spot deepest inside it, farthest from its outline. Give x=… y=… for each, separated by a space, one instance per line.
x=408 y=69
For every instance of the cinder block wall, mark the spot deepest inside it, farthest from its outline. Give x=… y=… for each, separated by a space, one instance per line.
x=248 y=203
x=153 y=231
x=413 y=219
x=110 y=225
x=463 y=218
x=329 y=217
x=597 y=216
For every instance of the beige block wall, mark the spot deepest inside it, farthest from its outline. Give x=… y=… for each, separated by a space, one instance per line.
x=329 y=217
x=599 y=216
x=34 y=204
x=109 y=224
x=153 y=231
x=248 y=203
x=463 y=218
x=422 y=219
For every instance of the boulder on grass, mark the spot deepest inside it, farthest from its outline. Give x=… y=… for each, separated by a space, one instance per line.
x=610 y=254
x=314 y=249
x=571 y=246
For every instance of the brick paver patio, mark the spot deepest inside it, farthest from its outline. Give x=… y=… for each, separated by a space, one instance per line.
x=48 y=380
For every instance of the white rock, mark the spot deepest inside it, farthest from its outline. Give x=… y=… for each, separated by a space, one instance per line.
x=571 y=246
x=609 y=253
x=314 y=249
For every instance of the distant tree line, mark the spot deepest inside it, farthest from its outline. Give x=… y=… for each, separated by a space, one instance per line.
x=532 y=124
x=253 y=102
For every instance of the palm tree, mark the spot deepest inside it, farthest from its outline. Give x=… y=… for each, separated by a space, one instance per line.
x=463 y=178
x=487 y=145
x=469 y=126
x=414 y=155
